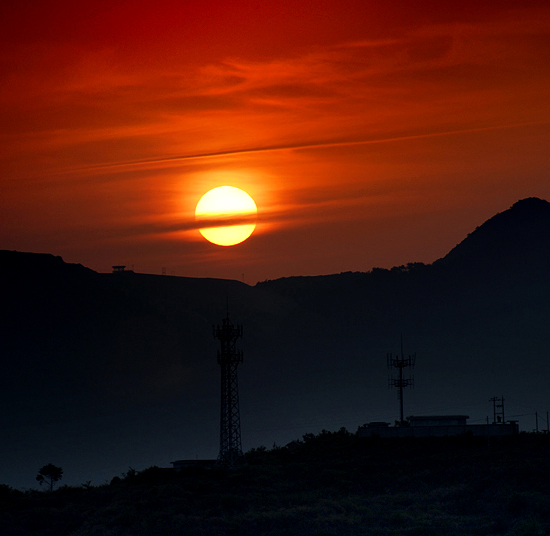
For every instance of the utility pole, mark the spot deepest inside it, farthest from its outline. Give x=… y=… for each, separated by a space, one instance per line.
x=400 y=382
x=229 y=357
x=498 y=410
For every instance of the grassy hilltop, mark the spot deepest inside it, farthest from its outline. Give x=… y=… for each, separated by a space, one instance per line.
x=329 y=484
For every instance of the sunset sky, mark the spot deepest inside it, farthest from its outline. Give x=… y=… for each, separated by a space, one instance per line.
x=369 y=133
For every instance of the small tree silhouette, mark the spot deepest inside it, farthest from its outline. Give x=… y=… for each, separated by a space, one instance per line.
x=49 y=475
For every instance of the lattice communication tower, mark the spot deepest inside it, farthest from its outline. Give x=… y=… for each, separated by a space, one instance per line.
x=229 y=357
x=400 y=363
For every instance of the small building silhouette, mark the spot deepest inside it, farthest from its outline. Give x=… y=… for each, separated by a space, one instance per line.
x=178 y=465
x=438 y=426
x=121 y=269
x=438 y=420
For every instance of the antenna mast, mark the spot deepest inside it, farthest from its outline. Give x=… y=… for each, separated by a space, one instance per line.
x=229 y=357
x=400 y=363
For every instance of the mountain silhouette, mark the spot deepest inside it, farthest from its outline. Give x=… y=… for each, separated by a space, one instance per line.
x=105 y=371
x=512 y=241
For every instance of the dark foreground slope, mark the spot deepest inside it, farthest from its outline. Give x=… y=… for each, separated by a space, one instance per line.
x=105 y=371
x=332 y=484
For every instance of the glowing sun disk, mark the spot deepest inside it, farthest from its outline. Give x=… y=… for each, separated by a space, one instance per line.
x=226 y=204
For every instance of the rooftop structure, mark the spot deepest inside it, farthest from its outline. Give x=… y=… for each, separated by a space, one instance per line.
x=437 y=426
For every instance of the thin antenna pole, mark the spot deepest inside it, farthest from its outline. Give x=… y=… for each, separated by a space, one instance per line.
x=402 y=418
x=498 y=410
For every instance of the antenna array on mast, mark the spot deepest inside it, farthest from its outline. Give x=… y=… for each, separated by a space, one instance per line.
x=400 y=363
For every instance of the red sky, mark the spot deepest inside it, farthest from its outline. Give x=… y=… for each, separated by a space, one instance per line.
x=369 y=133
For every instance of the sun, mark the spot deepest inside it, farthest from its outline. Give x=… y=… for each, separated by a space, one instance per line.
x=228 y=214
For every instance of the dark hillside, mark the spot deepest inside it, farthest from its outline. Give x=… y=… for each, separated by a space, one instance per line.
x=330 y=484
x=478 y=316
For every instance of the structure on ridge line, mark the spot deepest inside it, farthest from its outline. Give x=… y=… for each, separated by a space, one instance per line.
x=229 y=357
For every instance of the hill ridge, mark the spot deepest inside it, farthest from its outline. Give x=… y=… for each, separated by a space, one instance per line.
x=94 y=360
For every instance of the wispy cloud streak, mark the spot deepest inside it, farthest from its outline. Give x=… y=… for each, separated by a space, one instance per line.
x=313 y=145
